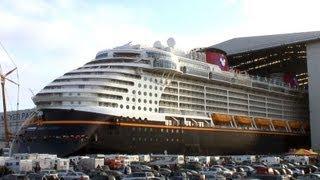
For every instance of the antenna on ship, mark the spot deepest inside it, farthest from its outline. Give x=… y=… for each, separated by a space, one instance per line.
x=3 y=79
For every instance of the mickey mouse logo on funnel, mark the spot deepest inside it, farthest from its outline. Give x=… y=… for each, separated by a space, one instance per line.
x=222 y=61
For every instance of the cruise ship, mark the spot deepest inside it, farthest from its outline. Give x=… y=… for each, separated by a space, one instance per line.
x=134 y=99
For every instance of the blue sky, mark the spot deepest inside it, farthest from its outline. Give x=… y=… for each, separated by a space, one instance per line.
x=49 y=38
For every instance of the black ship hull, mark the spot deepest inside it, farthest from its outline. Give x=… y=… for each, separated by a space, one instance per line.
x=75 y=134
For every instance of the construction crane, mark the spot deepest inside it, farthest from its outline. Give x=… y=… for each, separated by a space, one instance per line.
x=4 y=78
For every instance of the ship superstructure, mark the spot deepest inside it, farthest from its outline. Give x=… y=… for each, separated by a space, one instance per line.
x=164 y=88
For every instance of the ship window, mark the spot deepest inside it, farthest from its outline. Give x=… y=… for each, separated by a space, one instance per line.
x=134 y=92
x=160 y=88
x=128 y=98
x=150 y=79
x=139 y=100
x=133 y=107
x=155 y=109
x=139 y=85
x=150 y=101
x=121 y=106
x=145 y=86
x=127 y=106
x=145 y=78
x=156 y=80
x=145 y=101
x=144 y=108
x=139 y=107
x=156 y=87
x=155 y=95
x=150 y=87
x=133 y=99
x=139 y=92
x=145 y=93
x=150 y=109
x=150 y=94
x=155 y=102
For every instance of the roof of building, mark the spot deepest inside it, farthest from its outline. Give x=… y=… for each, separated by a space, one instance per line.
x=254 y=43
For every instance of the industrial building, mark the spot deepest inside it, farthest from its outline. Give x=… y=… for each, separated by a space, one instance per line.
x=294 y=54
x=15 y=120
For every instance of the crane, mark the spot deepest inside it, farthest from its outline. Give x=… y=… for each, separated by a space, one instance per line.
x=4 y=78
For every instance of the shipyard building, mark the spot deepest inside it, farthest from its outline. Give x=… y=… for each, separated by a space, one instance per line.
x=293 y=58
x=15 y=120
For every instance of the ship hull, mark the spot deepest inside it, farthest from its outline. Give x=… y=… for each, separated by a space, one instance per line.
x=107 y=134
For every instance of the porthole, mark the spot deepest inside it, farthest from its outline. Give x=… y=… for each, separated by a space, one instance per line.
x=127 y=98
x=145 y=86
x=133 y=100
x=160 y=88
x=139 y=85
x=150 y=101
x=156 y=80
x=155 y=109
x=145 y=101
x=156 y=88
x=150 y=94
x=150 y=79
x=145 y=93
x=150 y=87
x=144 y=108
x=150 y=109
x=134 y=92
x=139 y=107
x=127 y=106
x=133 y=107
x=155 y=102
x=139 y=92
x=121 y=106
x=155 y=95
x=139 y=100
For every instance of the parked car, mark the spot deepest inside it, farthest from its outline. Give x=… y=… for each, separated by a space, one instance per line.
x=74 y=175
x=49 y=174
x=309 y=176
x=139 y=175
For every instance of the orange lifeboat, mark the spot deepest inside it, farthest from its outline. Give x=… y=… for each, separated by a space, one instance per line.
x=279 y=123
x=262 y=121
x=306 y=125
x=295 y=124
x=221 y=118
x=245 y=120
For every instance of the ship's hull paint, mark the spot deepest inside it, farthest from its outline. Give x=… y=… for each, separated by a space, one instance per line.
x=72 y=136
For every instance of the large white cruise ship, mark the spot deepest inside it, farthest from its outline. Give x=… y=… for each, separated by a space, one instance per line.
x=135 y=99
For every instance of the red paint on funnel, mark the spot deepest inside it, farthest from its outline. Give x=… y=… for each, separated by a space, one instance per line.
x=217 y=59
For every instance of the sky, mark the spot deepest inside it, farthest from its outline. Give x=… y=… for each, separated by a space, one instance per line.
x=49 y=38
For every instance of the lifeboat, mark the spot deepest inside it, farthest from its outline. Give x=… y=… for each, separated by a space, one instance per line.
x=262 y=121
x=279 y=123
x=244 y=120
x=306 y=125
x=221 y=118
x=295 y=124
